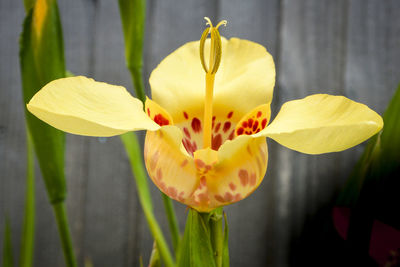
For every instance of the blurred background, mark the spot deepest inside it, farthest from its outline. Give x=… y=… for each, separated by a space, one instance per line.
x=338 y=47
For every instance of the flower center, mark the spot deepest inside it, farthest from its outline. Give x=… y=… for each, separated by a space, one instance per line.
x=210 y=69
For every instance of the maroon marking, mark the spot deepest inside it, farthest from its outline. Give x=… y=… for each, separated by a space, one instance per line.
x=159 y=174
x=253 y=179
x=232 y=135
x=250 y=122
x=240 y=131
x=213 y=118
x=259 y=114
x=194 y=146
x=237 y=197
x=196 y=125
x=255 y=125
x=172 y=192
x=203 y=181
x=185 y=115
x=263 y=123
x=199 y=163
x=217 y=127
x=219 y=198
x=216 y=142
x=228 y=197
x=203 y=197
x=244 y=177
x=227 y=126
x=183 y=164
x=232 y=186
x=186 y=131
x=148 y=111
x=230 y=114
x=160 y=120
x=244 y=124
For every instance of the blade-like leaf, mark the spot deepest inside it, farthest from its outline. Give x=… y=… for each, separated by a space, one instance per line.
x=133 y=14
x=42 y=60
x=196 y=249
x=8 y=260
x=26 y=254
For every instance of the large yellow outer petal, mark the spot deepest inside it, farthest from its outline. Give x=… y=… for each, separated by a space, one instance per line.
x=211 y=178
x=323 y=123
x=245 y=79
x=80 y=105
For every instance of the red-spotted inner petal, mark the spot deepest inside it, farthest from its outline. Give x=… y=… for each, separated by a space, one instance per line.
x=254 y=121
x=157 y=113
x=191 y=123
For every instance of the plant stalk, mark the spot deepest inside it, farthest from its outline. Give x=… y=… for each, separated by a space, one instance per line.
x=217 y=236
x=65 y=236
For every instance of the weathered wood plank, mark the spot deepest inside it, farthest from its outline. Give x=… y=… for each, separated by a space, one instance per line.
x=257 y=21
x=312 y=53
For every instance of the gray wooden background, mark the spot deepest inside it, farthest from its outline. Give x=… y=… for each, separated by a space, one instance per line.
x=350 y=48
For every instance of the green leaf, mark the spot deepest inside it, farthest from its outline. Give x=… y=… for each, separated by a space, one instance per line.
x=8 y=260
x=196 y=249
x=133 y=14
x=42 y=60
x=381 y=156
x=225 y=255
x=27 y=243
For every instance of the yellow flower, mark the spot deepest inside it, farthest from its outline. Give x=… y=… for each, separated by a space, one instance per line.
x=207 y=148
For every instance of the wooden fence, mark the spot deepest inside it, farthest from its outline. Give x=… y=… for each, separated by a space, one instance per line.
x=349 y=48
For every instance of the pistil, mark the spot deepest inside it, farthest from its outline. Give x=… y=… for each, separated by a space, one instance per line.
x=211 y=69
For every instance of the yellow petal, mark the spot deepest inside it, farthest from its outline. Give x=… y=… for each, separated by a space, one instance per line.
x=157 y=113
x=245 y=79
x=241 y=167
x=168 y=164
x=254 y=121
x=323 y=123
x=83 y=106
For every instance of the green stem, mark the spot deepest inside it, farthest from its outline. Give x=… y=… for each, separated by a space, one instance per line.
x=217 y=236
x=26 y=254
x=133 y=149
x=172 y=221
x=65 y=236
x=137 y=78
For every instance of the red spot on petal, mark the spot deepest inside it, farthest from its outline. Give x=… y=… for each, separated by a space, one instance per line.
x=227 y=126
x=228 y=197
x=185 y=115
x=240 y=131
x=188 y=146
x=186 y=131
x=213 y=118
x=183 y=164
x=203 y=197
x=237 y=197
x=153 y=160
x=208 y=167
x=217 y=127
x=253 y=179
x=199 y=163
x=232 y=135
x=148 y=111
x=196 y=125
x=232 y=186
x=244 y=124
x=219 y=198
x=171 y=191
x=159 y=174
x=160 y=120
x=263 y=123
x=230 y=114
x=244 y=177
x=194 y=146
x=259 y=114
x=203 y=181
x=216 y=142
x=250 y=121
x=255 y=125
